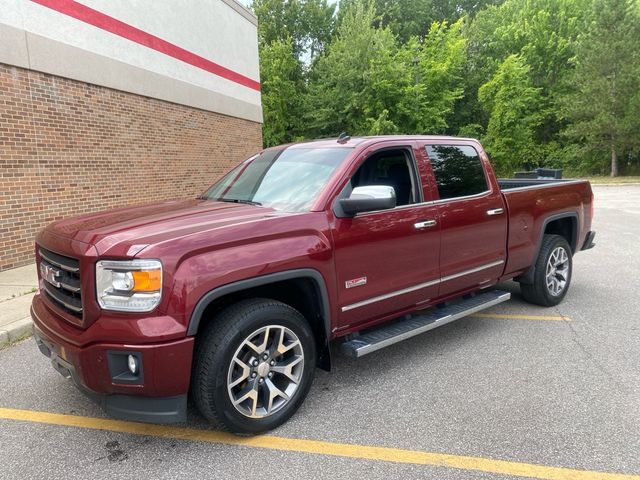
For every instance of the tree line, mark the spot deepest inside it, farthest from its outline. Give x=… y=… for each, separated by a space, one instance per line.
x=553 y=83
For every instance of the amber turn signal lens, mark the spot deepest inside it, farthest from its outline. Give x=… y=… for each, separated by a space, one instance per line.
x=147 y=281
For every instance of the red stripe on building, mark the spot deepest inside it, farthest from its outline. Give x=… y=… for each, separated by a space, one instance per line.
x=112 y=25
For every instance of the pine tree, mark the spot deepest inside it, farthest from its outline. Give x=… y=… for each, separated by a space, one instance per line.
x=604 y=108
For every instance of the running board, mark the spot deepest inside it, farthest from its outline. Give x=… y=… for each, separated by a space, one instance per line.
x=413 y=325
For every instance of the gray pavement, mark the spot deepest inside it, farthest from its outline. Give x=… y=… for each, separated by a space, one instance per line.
x=555 y=393
x=17 y=287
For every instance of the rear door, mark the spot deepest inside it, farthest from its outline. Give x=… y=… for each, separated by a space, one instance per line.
x=387 y=261
x=472 y=216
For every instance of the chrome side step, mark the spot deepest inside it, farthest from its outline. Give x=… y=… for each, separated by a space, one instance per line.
x=416 y=324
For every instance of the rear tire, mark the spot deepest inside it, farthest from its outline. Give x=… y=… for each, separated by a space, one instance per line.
x=552 y=273
x=253 y=366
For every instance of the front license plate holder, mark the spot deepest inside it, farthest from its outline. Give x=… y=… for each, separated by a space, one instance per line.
x=57 y=354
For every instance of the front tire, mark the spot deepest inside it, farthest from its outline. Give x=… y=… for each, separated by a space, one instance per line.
x=552 y=274
x=253 y=366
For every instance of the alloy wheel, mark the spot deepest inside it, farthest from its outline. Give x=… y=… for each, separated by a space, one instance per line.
x=557 y=271
x=265 y=371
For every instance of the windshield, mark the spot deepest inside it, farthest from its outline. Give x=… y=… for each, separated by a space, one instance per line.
x=288 y=180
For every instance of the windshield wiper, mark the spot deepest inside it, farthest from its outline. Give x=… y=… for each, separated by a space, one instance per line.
x=237 y=200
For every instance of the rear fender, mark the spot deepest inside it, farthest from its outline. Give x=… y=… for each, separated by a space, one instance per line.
x=527 y=277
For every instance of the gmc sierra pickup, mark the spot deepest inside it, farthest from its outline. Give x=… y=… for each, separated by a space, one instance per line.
x=233 y=297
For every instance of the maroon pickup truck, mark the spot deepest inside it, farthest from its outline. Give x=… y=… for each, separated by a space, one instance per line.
x=234 y=297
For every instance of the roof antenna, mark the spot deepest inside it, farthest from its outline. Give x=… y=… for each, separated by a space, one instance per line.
x=343 y=137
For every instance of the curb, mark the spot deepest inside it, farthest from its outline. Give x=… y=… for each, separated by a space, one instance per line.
x=15 y=331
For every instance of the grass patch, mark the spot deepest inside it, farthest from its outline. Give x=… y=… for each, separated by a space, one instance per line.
x=616 y=180
x=11 y=343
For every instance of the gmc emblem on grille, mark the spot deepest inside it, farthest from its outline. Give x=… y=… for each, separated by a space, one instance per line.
x=50 y=274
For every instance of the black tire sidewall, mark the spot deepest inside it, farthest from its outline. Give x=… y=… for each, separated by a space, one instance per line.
x=247 y=322
x=550 y=243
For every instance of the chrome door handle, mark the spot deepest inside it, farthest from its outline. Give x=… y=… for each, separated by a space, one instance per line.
x=495 y=211
x=425 y=224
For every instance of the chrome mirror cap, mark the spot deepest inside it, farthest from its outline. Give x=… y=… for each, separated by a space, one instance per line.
x=369 y=198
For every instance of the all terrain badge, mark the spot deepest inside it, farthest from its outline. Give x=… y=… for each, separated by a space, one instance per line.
x=356 y=282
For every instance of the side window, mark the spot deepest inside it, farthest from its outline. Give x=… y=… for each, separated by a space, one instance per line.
x=458 y=170
x=393 y=168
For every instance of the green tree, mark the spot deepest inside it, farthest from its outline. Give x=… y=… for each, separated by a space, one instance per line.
x=543 y=34
x=452 y=10
x=308 y=23
x=356 y=84
x=604 y=108
x=413 y=18
x=365 y=84
x=291 y=33
x=512 y=104
x=318 y=25
x=435 y=64
x=405 y=18
x=281 y=92
x=543 y=82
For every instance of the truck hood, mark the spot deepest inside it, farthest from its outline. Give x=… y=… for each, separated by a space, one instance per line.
x=132 y=229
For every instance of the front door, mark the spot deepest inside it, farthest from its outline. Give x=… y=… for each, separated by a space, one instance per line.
x=387 y=261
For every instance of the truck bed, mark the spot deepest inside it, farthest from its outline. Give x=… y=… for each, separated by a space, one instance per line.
x=532 y=202
x=511 y=183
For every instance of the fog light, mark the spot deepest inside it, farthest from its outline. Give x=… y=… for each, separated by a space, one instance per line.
x=133 y=364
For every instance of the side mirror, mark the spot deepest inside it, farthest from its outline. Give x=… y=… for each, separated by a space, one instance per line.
x=368 y=199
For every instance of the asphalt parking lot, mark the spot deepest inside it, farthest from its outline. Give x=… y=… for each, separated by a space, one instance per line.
x=521 y=392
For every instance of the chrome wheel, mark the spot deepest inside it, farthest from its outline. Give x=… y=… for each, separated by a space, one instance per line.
x=265 y=371
x=557 y=272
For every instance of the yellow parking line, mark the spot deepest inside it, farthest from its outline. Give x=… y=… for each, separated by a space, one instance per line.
x=383 y=454
x=521 y=317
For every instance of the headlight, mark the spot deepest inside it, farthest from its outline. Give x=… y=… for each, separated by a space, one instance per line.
x=129 y=285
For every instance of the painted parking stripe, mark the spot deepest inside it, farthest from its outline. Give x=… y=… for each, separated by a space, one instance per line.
x=362 y=452
x=522 y=317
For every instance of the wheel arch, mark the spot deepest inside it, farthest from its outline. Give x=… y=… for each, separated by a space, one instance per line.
x=303 y=289
x=564 y=224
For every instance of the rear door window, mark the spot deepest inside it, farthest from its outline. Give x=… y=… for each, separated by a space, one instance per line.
x=458 y=170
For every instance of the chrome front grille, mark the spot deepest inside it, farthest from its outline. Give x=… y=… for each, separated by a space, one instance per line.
x=61 y=280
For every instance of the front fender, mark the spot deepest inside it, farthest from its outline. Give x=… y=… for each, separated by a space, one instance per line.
x=302 y=273
x=200 y=274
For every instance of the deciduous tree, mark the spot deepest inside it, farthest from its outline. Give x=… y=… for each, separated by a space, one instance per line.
x=356 y=84
x=281 y=87
x=512 y=103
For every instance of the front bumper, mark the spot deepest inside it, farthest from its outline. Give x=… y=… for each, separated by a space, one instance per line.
x=157 y=395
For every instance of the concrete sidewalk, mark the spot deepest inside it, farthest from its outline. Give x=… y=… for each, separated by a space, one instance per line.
x=17 y=288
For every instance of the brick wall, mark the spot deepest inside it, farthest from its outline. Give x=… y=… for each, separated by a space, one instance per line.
x=67 y=147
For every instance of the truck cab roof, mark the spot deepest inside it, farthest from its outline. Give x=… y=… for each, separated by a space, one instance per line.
x=353 y=142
